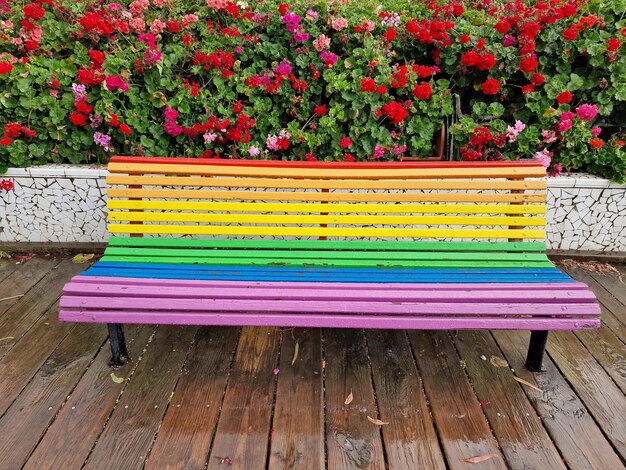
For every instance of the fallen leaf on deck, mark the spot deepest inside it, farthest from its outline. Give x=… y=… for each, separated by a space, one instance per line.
x=498 y=362
x=296 y=350
x=349 y=399
x=377 y=422
x=528 y=384
x=116 y=379
x=80 y=258
x=480 y=458
x=4 y=254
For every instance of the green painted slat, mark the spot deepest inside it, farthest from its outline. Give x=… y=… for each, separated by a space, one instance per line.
x=344 y=245
x=354 y=263
x=322 y=255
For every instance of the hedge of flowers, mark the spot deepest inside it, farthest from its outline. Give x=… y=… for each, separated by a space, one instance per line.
x=313 y=79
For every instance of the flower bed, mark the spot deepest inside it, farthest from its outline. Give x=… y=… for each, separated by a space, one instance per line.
x=313 y=80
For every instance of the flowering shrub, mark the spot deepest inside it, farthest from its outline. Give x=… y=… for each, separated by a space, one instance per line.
x=312 y=80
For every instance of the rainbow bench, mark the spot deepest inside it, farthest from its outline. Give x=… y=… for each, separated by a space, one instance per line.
x=367 y=245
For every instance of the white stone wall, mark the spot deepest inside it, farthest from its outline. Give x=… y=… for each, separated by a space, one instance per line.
x=65 y=203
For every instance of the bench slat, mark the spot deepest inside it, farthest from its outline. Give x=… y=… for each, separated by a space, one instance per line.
x=355 y=172
x=328 y=208
x=392 y=184
x=343 y=245
x=304 y=219
x=329 y=196
x=328 y=306
x=375 y=293
x=325 y=231
x=330 y=321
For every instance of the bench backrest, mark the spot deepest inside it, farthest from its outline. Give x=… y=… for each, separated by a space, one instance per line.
x=499 y=201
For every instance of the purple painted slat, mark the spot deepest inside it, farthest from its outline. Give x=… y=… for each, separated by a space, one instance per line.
x=421 y=308
x=329 y=285
x=330 y=321
x=321 y=293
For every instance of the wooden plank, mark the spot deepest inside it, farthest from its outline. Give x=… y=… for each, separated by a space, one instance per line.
x=410 y=438
x=7 y=268
x=185 y=435
x=130 y=430
x=243 y=430
x=608 y=350
x=69 y=439
x=22 y=280
x=352 y=245
x=297 y=438
x=39 y=298
x=328 y=231
x=329 y=321
x=602 y=397
x=519 y=431
x=354 y=172
x=573 y=430
x=615 y=284
x=613 y=311
x=395 y=184
x=322 y=196
x=352 y=441
x=23 y=361
x=462 y=427
x=27 y=419
x=305 y=219
x=328 y=208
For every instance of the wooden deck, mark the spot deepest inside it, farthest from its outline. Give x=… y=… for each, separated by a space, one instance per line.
x=257 y=398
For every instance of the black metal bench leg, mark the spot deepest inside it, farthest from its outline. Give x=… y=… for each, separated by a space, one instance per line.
x=536 y=348
x=118 y=344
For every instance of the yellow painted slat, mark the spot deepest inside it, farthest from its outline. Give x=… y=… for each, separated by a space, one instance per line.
x=460 y=184
x=325 y=219
x=325 y=231
x=326 y=173
x=330 y=208
x=315 y=196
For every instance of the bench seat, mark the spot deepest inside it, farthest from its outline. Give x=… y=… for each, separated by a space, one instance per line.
x=293 y=244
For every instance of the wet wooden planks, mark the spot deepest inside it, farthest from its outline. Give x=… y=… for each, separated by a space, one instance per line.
x=60 y=407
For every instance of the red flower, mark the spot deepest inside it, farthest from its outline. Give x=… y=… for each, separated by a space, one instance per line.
x=464 y=39
x=321 y=110
x=5 y=67
x=395 y=112
x=390 y=34
x=28 y=132
x=487 y=61
x=613 y=44
x=526 y=89
x=282 y=8
x=5 y=141
x=33 y=11
x=124 y=129
x=173 y=26
x=82 y=107
x=368 y=85
x=347 y=157
x=345 y=142
x=114 y=122
x=570 y=34
x=97 y=57
x=470 y=58
x=596 y=143
x=398 y=79
x=381 y=90
x=7 y=185
x=491 y=86
x=537 y=79
x=12 y=129
x=422 y=91
x=481 y=43
x=564 y=97
x=502 y=26
x=528 y=64
x=309 y=156
x=78 y=119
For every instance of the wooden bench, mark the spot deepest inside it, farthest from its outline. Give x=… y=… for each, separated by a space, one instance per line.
x=341 y=245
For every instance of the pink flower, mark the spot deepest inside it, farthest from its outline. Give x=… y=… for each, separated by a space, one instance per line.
x=567 y=116
x=548 y=136
x=253 y=151
x=321 y=43
x=157 y=26
x=596 y=131
x=513 y=131
x=171 y=114
x=138 y=24
x=115 y=82
x=209 y=137
x=328 y=57
x=378 y=152
x=564 y=125
x=311 y=15
x=171 y=128
x=339 y=23
x=217 y=4
x=556 y=169
x=587 y=112
x=509 y=40
x=544 y=157
x=284 y=68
